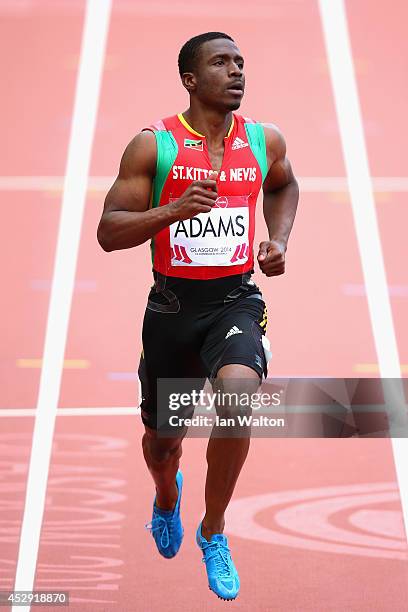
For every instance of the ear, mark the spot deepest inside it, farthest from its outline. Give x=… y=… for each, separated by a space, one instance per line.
x=189 y=81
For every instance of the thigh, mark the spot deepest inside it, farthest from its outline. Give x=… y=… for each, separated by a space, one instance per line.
x=170 y=363
x=235 y=337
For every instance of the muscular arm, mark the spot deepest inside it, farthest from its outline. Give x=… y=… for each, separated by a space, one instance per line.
x=127 y=220
x=281 y=195
x=281 y=191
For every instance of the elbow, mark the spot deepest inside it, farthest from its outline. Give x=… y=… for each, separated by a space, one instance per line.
x=104 y=237
x=293 y=187
x=294 y=182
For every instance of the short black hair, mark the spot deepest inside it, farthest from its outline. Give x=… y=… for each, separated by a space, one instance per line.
x=189 y=51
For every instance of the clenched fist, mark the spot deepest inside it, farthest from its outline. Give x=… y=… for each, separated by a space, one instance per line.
x=271 y=257
x=198 y=198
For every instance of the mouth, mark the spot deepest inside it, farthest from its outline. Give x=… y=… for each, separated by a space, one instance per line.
x=236 y=90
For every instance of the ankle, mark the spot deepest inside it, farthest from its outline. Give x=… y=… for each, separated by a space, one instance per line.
x=166 y=500
x=211 y=527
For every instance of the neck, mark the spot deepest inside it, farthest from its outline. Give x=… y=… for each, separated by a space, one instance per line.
x=213 y=124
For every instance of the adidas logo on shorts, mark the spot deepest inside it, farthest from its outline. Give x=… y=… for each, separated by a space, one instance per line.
x=239 y=144
x=232 y=331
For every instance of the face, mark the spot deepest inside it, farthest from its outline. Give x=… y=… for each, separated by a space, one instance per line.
x=218 y=80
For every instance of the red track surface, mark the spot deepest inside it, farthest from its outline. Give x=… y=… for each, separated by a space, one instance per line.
x=99 y=494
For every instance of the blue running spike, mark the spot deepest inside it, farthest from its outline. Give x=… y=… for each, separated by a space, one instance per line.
x=222 y=574
x=166 y=527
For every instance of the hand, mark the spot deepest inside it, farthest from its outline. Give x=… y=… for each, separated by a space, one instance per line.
x=271 y=257
x=199 y=197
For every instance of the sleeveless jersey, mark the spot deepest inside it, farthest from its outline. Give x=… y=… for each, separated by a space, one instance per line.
x=218 y=243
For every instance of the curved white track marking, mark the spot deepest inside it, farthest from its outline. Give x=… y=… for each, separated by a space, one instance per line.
x=312 y=519
x=387 y=523
x=96 y=25
x=241 y=518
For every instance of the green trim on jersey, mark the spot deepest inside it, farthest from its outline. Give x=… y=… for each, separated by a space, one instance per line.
x=256 y=138
x=167 y=151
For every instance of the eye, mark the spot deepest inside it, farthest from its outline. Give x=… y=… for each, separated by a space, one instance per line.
x=218 y=62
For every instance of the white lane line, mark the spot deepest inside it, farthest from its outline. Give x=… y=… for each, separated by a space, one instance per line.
x=338 y=48
x=103 y=183
x=88 y=411
x=95 y=31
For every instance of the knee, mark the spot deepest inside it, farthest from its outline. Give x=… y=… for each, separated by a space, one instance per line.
x=161 y=450
x=235 y=395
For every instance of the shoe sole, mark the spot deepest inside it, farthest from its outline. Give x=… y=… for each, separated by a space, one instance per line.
x=223 y=598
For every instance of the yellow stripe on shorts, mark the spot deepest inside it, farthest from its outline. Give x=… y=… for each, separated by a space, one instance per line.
x=264 y=321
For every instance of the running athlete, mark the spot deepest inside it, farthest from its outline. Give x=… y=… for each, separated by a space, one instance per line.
x=189 y=184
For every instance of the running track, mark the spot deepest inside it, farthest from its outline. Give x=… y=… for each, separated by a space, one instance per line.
x=315 y=524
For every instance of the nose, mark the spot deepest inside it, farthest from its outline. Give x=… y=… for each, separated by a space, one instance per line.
x=235 y=70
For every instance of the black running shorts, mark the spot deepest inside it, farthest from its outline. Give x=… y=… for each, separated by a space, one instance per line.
x=193 y=327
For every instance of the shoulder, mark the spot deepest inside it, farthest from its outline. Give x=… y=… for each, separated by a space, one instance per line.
x=139 y=155
x=166 y=124
x=145 y=142
x=274 y=140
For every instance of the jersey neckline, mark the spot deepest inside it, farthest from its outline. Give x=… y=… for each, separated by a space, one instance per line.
x=193 y=131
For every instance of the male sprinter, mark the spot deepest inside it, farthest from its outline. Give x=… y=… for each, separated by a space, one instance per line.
x=189 y=183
